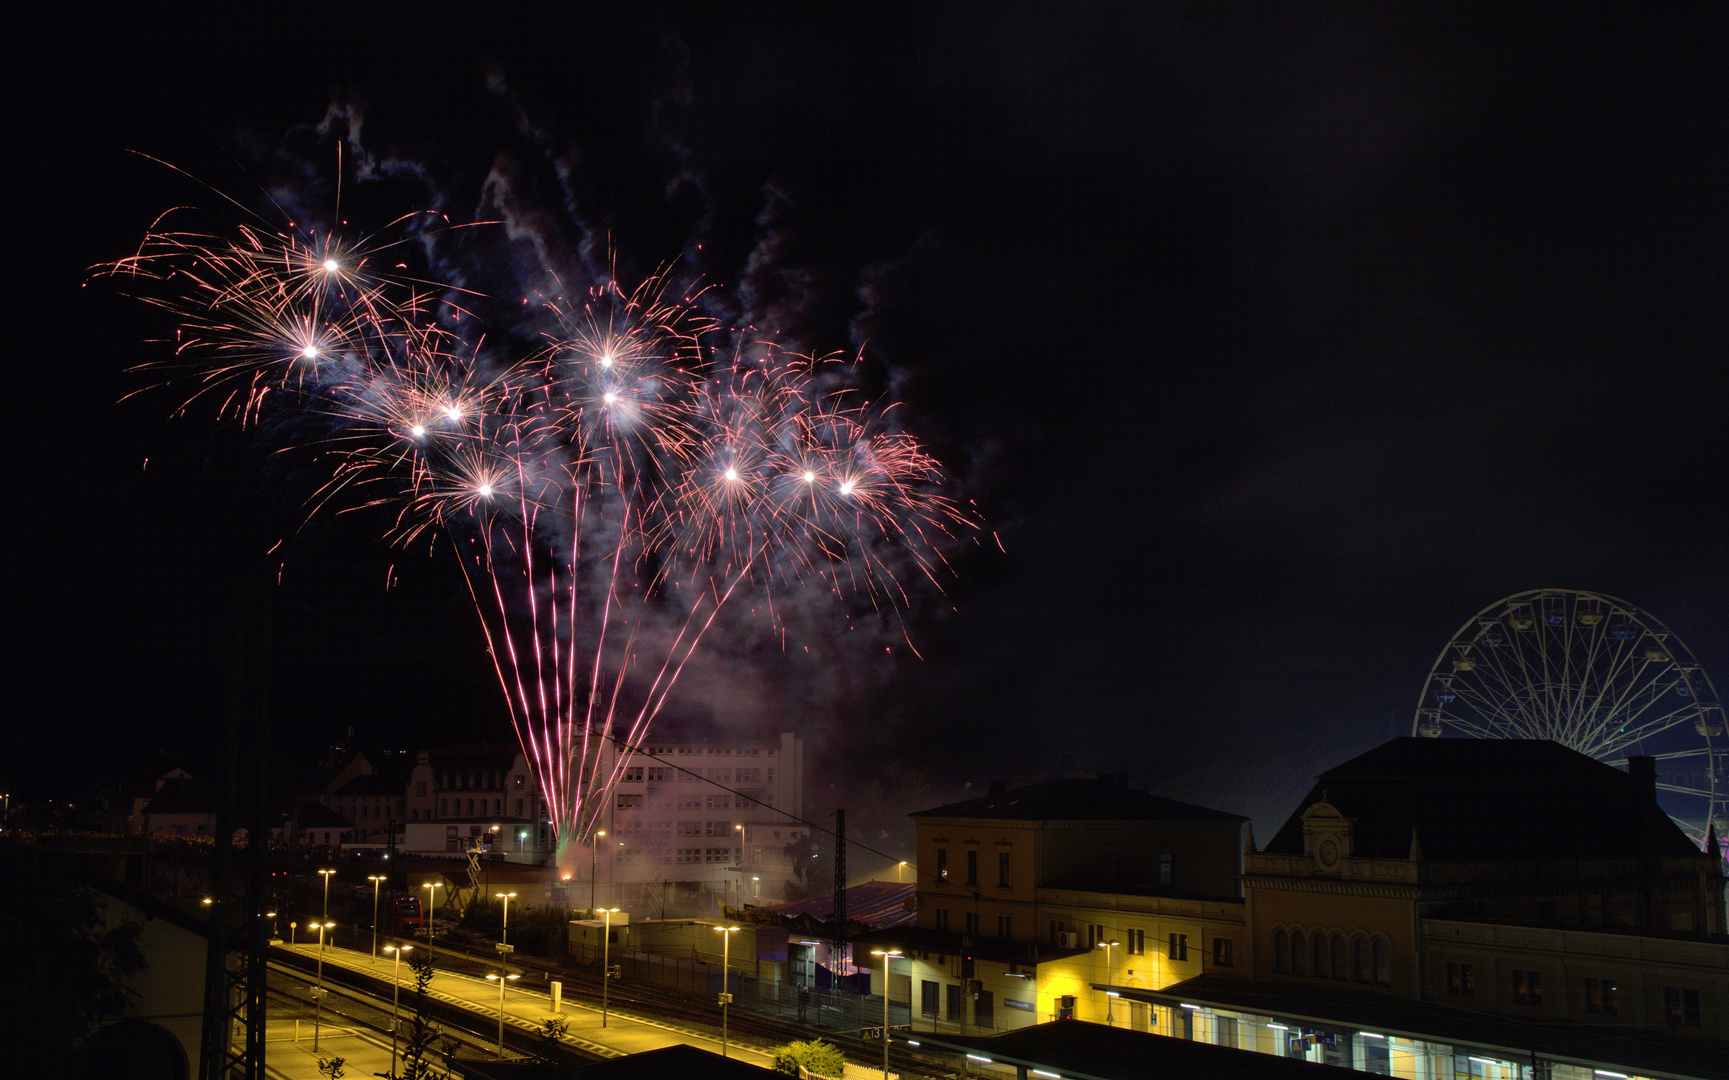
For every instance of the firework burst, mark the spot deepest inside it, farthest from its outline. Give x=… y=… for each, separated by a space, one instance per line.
x=639 y=465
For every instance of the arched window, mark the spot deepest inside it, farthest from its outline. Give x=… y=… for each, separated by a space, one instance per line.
x=1363 y=961
x=1281 y=951
x=1299 y=953
x=1319 y=968
x=1383 y=962
x=1341 y=963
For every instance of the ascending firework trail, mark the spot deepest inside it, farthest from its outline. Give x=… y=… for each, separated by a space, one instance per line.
x=608 y=487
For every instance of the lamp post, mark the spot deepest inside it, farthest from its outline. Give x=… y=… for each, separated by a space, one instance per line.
x=593 y=865
x=326 y=916
x=395 y=986
x=885 y=954
x=726 y=933
x=1108 y=946
x=605 y=960
x=431 y=899
x=506 y=897
x=318 y=991
x=377 y=880
x=501 y=979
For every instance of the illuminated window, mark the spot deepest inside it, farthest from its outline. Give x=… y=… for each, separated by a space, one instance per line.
x=1461 y=980
x=1602 y=998
x=1178 y=947
x=1681 y=1005
x=1527 y=987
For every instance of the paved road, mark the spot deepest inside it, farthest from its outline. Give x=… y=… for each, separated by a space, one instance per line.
x=292 y=1058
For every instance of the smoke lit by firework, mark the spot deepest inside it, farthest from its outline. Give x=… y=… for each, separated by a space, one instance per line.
x=639 y=462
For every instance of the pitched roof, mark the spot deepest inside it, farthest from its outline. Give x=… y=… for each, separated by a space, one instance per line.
x=1077 y=799
x=373 y=784
x=1082 y=1049
x=1475 y=799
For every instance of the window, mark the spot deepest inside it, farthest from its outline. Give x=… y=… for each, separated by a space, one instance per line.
x=1681 y=1005
x=420 y=787
x=1461 y=980
x=984 y=1009
x=1527 y=987
x=1135 y=943
x=942 y=862
x=973 y=924
x=1299 y=953
x=633 y=774
x=1222 y=949
x=1057 y=928
x=443 y=808
x=1364 y=960
x=1167 y=868
x=1178 y=947
x=1005 y=926
x=659 y=773
x=625 y=802
x=1281 y=951
x=1601 y=997
x=972 y=867
x=943 y=919
x=1341 y=964
x=928 y=996
x=1383 y=953
x=1002 y=869
x=1318 y=955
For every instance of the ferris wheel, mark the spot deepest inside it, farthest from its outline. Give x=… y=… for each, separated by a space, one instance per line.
x=1597 y=675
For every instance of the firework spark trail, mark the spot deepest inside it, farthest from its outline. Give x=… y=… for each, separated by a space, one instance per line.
x=585 y=486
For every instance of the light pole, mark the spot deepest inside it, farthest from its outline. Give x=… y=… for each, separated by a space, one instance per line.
x=377 y=880
x=726 y=933
x=325 y=916
x=506 y=897
x=501 y=979
x=605 y=961
x=395 y=985
x=593 y=865
x=318 y=991
x=1108 y=946
x=431 y=899
x=885 y=955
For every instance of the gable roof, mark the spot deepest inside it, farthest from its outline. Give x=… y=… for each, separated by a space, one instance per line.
x=1077 y=799
x=1477 y=799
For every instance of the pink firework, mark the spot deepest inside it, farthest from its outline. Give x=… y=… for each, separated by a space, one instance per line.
x=608 y=494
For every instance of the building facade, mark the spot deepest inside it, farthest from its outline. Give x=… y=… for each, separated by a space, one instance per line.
x=1033 y=903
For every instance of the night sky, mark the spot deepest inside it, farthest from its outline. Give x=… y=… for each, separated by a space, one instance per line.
x=1273 y=342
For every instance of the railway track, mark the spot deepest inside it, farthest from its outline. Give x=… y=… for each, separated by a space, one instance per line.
x=696 y=1014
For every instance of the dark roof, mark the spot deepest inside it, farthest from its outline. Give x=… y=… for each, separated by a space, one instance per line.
x=317 y=816
x=1317 y=1003
x=681 y=1060
x=1477 y=799
x=1077 y=799
x=1076 y=1048
x=874 y=903
x=374 y=784
x=185 y=797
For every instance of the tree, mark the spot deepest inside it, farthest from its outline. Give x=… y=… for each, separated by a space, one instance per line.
x=422 y=1033
x=818 y=1057
x=63 y=970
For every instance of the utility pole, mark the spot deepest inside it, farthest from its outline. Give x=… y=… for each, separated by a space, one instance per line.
x=236 y=995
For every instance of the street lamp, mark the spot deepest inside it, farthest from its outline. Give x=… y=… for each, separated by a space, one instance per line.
x=395 y=986
x=1108 y=946
x=431 y=899
x=501 y=979
x=593 y=865
x=885 y=954
x=377 y=880
x=318 y=991
x=605 y=960
x=326 y=916
x=726 y=933
x=506 y=897
x=900 y=872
